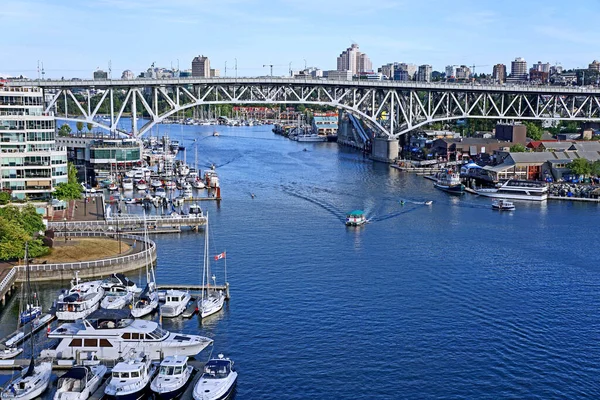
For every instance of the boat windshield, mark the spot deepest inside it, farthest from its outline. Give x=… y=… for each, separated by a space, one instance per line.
x=217 y=369
x=156 y=334
x=167 y=370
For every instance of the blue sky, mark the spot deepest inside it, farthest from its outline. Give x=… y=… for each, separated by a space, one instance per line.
x=74 y=37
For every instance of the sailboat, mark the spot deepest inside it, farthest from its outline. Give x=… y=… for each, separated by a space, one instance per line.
x=35 y=379
x=211 y=300
x=148 y=300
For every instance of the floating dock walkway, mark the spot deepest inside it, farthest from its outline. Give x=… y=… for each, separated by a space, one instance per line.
x=131 y=223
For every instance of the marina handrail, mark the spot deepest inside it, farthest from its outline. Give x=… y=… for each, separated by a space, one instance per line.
x=8 y=279
x=149 y=249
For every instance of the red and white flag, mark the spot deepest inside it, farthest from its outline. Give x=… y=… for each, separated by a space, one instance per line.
x=219 y=256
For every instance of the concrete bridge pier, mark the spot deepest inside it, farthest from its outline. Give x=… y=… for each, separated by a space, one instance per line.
x=385 y=150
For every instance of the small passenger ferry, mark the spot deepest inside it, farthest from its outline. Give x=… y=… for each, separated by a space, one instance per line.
x=356 y=218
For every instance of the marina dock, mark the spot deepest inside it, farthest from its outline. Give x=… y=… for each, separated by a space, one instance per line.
x=24 y=332
x=197 y=289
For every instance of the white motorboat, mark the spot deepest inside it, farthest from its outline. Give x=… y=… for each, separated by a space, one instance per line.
x=311 y=137
x=195 y=210
x=155 y=183
x=175 y=303
x=80 y=301
x=31 y=384
x=503 y=205
x=7 y=353
x=119 y=279
x=173 y=377
x=147 y=302
x=108 y=334
x=356 y=218
x=187 y=193
x=33 y=380
x=141 y=185
x=198 y=184
x=116 y=297
x=517 y=190
x=80 y=382
x=113 y=187
x=211 y=301
x=130 y=379
x=127 y=184
x=218 y=380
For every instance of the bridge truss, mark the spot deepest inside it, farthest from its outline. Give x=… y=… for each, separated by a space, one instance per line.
x=391 y=109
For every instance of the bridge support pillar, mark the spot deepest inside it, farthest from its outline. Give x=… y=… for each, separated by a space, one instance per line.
x=385 y=150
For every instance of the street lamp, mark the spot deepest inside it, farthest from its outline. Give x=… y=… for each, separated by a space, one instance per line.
x=65 y=228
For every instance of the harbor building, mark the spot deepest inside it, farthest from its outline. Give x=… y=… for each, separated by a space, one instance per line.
x=31 y=162
x=98 y=156
x=325 y=124
x=201 y=67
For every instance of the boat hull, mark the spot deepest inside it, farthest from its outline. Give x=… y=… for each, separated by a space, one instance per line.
x=452 y=189
x=510 y=196
x=226 y=393
x=171 y=394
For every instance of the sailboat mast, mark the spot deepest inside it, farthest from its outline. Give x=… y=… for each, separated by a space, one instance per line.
x=27 y=276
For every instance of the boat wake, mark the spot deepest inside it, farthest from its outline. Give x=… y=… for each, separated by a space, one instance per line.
x=333 y=210
x=391 y=215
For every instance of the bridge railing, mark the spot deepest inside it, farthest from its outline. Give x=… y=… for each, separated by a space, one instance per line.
x=148 y=253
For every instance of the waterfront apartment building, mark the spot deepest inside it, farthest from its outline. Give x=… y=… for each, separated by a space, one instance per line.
x=518 y=69
x=201 y=67
x=31 y=164
x=352 y=59
x=499 y=73
x=463 y=72
x=451 y=72
x=424 y=73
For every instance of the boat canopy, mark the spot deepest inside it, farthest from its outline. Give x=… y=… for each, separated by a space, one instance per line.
x=356 y=213
x=78 y=373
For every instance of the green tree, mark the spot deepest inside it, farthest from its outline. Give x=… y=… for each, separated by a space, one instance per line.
x=534 y=131
x=72 y=173
x=596 y=168
x=518 y=148
x=581 y=166
x=79 y=126
x=65 y=130
x=18 y=226
x=4 y=197
x=89 y=126
x=67 y=191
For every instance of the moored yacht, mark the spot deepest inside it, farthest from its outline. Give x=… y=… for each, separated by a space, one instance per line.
x=116 y=297
x=80 y=301
x=108 y=334
x=173 y=377
x=218 y=380
x=31 y=384
x=147 y=302
x=127 y=184
x=130 y=379
x=517 y=190
x=175 y=303
x=80 y=382
x=119 y=279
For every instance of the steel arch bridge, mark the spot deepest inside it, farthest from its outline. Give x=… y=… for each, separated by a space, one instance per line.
x=390 y=108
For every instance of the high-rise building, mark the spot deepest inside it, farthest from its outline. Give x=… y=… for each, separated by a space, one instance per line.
x=100 y=75
x=127 y=74
x=352 y=59
x=541 y=67
x=451 y=71
x=424 y=73
x=594 y=65
x=201 y=67
x=518 y=69
x=30 y=163
x=499 y=73
x=463 y=72
x=388 y=70
x=215 y=73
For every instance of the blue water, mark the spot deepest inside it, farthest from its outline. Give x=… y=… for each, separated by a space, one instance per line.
x=452 y=300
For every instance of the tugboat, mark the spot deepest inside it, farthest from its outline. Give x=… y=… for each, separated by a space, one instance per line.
x=356 y=218
x=449 y=182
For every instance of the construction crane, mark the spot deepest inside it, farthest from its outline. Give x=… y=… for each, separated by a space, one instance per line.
x=476 y=66
x=274 y=65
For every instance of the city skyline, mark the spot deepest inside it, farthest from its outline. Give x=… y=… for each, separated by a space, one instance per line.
x=73 y=39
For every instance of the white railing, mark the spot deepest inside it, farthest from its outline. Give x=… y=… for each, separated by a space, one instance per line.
x=8 y=279
x=149 y=251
